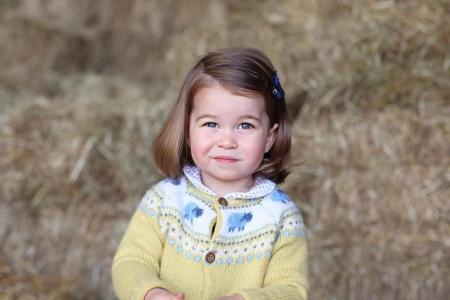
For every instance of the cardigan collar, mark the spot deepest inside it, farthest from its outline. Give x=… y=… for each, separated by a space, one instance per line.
x=260 y=188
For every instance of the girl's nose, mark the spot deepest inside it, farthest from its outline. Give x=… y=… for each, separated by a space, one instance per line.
x=227 y=140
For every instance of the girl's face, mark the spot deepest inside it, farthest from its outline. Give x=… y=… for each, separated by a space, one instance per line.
x=228 y=136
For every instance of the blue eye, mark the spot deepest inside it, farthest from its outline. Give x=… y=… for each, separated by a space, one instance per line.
x=211 y=124
x=246 y=126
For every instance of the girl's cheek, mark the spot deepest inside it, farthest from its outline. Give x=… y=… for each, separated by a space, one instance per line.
x=201 y=142
x=207 y=135
x=254 y=144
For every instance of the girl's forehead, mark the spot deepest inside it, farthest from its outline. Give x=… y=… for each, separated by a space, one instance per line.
x=218 y=98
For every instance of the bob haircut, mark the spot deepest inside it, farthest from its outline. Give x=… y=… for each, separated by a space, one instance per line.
x=242 y=71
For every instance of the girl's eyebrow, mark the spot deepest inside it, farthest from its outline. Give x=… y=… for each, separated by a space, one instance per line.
x=250 y=117
x=241 y=117
x=205 y=116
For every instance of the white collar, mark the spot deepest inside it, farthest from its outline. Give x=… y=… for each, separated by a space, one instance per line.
x=261 y=187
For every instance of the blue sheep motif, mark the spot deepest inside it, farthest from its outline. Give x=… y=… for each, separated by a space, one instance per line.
x=238 y=220
x=192 y=211
x=279 y=196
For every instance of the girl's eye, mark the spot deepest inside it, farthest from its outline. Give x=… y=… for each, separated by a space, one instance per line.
x=246 y=126
x=211 y=124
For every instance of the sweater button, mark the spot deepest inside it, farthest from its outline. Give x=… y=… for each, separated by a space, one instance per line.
x=210 y=257
x=223 y=201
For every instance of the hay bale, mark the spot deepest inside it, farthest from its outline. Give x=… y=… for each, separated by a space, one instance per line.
x=374 y=189
x=71 y=171
x=22 y=285
x=369 y=54
x=34 y=51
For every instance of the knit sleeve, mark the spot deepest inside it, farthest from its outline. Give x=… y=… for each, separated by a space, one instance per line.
x=136 y=264
x=286 y=276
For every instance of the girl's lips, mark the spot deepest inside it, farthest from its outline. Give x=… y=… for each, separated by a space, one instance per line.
x=225 y=159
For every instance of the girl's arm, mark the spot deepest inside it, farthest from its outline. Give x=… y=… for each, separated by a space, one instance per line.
x=286 y=276
x=136 y=264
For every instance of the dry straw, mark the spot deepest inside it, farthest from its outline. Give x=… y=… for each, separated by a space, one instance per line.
x=368 y=85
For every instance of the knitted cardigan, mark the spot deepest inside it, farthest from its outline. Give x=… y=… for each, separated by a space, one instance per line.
x=185 y=238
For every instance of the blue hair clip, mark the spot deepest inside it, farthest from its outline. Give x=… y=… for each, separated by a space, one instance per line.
x=277 y=90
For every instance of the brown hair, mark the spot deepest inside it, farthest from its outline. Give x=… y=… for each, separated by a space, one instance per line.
x=242 y=71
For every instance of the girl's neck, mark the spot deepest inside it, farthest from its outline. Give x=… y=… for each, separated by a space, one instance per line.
x=222 y=188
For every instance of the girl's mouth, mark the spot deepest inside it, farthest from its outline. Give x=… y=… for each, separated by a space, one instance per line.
x=225 y=159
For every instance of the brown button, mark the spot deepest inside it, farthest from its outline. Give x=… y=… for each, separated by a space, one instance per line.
x=223 y=201
x=210 y=257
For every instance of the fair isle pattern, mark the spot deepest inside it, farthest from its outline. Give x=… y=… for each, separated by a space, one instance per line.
x=194 y=247
x=150 y=203
x=248 y=231
x=206 y=199
x=253 y=245
x=292 y=224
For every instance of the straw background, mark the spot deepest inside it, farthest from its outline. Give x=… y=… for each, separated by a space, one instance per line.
x=85 y=86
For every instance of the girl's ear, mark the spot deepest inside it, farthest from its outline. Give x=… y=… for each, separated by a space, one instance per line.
x=271 y=137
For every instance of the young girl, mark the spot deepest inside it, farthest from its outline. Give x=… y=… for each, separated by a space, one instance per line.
x=219 y=227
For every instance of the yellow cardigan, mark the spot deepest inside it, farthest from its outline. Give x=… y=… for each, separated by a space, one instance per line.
x=184 y=238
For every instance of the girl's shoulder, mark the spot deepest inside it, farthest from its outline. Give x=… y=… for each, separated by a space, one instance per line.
x=286 y=212
x=158 y=194
x=278 y=204
x=169 y=184
x=278 y=196
x=278 y=199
